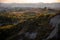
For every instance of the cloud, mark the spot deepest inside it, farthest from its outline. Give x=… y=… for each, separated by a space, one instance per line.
x=58 y=0
x=28 y=1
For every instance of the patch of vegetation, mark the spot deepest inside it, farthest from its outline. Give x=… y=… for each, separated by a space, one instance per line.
x=26 y=22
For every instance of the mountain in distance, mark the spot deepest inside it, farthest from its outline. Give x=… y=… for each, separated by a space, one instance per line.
x=33 y=5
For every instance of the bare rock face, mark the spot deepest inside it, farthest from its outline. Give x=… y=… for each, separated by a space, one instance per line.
x=55 y=21
x=31 y=35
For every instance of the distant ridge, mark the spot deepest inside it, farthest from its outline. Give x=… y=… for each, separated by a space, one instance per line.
x=36 y=5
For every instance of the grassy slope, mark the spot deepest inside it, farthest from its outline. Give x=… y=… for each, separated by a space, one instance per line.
x=37 y=21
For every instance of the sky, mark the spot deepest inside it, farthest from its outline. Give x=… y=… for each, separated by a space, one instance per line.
x=29 y=1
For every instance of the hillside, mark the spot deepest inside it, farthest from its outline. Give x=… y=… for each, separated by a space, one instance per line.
x=17 y=25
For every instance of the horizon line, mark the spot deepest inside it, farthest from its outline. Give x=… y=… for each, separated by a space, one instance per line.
x=38 y=2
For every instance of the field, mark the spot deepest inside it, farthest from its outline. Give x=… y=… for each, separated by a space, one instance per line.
x=15 y=24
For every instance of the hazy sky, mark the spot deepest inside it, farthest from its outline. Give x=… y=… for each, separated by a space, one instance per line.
x=28 y=1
